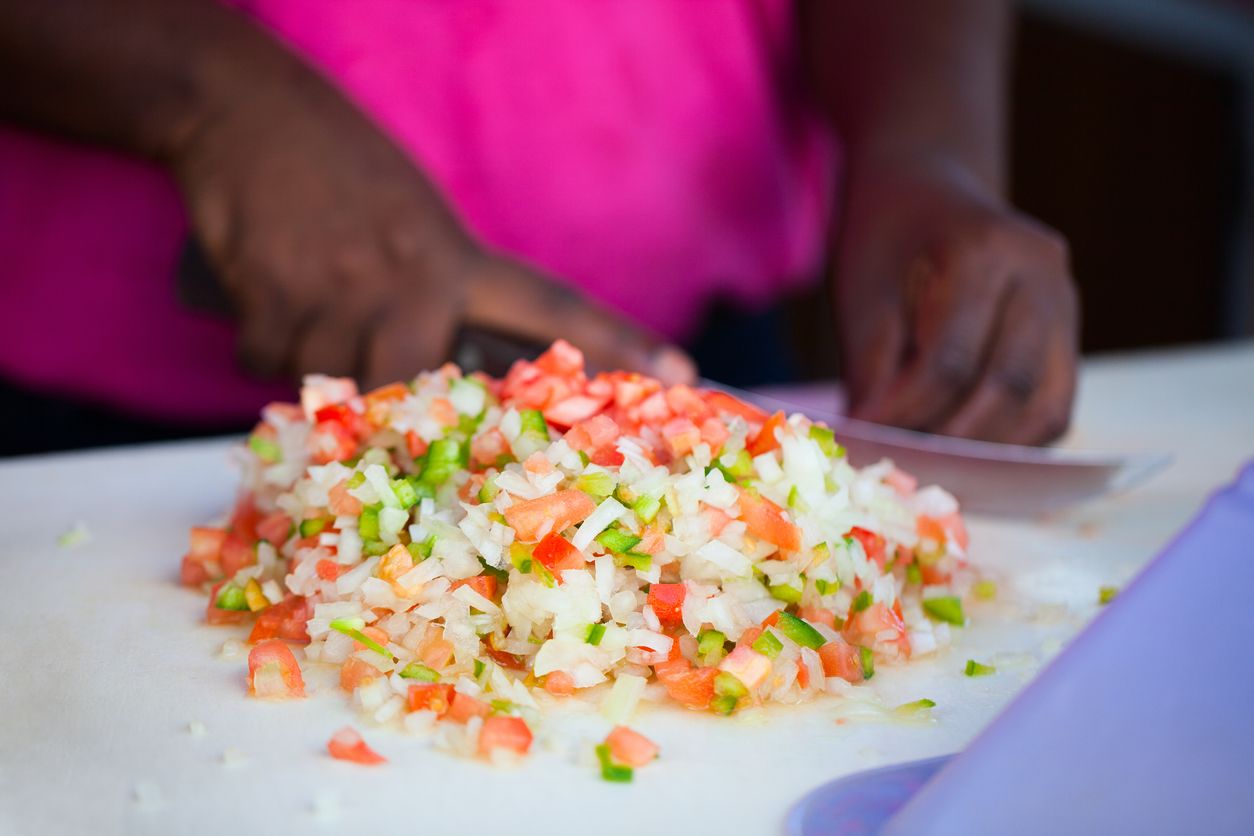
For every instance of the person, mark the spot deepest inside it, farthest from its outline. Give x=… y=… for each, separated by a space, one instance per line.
x=366 y=177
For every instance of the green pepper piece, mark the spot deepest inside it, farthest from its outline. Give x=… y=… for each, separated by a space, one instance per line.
x=637 y=561
x=368 y=525
x=946 y=608
x=862 y=601
x=351 y=627
x=611 y=771
x=800 y=631
x=646 y=507
x=596 y=632
x=1107 y=594
x=710 y=645
x=231 y=597
x=598 y=484
x=867 y=657
x=265 y=449
x=617 y=540
x=533 y=422
x=787 y=594
x=308 y=528
x=768 y=645
x=826 y=440
x=724 y=704
x=727 y=685
x=974 y=668
x=420 y=672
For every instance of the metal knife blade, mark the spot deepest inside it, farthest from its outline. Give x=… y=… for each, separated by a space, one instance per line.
x=987 y=478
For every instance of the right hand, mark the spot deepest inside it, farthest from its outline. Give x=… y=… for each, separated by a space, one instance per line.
x=341 y=257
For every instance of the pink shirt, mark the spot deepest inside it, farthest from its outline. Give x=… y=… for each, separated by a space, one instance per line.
x=652 y=153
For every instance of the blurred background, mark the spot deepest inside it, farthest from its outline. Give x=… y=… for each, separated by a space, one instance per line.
x=1133 y=134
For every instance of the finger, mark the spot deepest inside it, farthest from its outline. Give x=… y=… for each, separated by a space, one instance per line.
x=514 y=300
x=955 y=320
x=995 y=410
x=1049 y=415
x=872 y=363
x=268 y=323
x=413 y=334
x=333 y=341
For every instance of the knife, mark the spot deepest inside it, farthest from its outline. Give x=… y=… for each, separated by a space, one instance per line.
x=987 y=478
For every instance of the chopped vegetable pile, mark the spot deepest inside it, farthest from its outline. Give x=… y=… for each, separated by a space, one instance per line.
x=456 y=544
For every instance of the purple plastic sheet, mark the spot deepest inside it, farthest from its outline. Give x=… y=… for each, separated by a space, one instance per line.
x=1145 y=724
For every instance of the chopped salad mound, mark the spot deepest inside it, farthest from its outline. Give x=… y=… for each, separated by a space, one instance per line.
x=458 y=543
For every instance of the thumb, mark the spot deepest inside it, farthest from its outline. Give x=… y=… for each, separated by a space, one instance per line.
x=509 y=298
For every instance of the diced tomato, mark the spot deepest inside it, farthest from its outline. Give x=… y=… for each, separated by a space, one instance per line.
x=353 y=422
x=933 y=575
x=379 y=402
x=765 y=441
x=331 y=441
x=667 y=601
x=274 y=528
x=214 y=615
x=873 y=544
x=654 y=410
x=347 y=745
x=273 y=672
x=723 y=402
x=559 y=683
x=630 y=748
x=771 y=620
x=193 y=573
x=487 y=447
x=803 y=673
x=747 y=665
x=342 y=503
x=444 y=413
x=767 y=521
x=630 y=388
x=843 y=660
x=430 y=697
x=557 y=555
x=320 y=391
x=575 y=408
x=749 y=636
x=684 y=400
x=553 y=513
x=593 y=434
x=716 y=518
x=415 y=444
x=286 y=619
x=689 y=686
x=355 y=672
x=864 y=628
x=956 y=528
x=244 y=519
x=236 y=554
x=485 y=585
x=714 y=433
x=206 y=544
x=329 y=570
x=818 y=615
x=561 y=359
x=435 y=651
x=461 y=708
x=503 y=732
x=395 y=563
x=902 y=482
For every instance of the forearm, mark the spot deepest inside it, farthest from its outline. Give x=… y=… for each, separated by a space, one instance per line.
x=140 y=75
x=910 y=80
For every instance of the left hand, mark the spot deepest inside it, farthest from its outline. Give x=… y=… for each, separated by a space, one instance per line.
x=956 y=313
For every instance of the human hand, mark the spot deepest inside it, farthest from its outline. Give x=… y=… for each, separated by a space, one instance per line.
x=342 y=258
x=956 y=314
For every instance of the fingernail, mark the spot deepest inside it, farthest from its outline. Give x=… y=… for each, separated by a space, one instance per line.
x=672 y=366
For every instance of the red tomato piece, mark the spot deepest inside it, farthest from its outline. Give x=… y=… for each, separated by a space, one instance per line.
x=461 y=708
x=342 y=503
x=873 y=544
x=561 y=359
x=767 y=521
x=559 y=683
x=714 y=433
x=347 y=745
x=329 y=570
x=818 y=615
x=689 y=686
x=667 y=601
x=487 y=447
x=236 y=554
x=192 y=573
x=355 y=672
x=864 y=628
x=575 y=408
x=630 y=748
x=273 y=672
x=435 y=697
x=593 y=434
x=555 y=512
x=765 y=441
x=502 y=732
x=843 y=660
x=274 y=528
x=415 y=444
x=379 y=402
x=684 y=400
x=485 y=585
x=286 y=619
x=331 y=441
x=244 y=519
x=681 y=436
x=721 y=402
x=557 y=555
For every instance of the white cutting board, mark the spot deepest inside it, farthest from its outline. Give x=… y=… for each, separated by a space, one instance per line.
x=104 y=661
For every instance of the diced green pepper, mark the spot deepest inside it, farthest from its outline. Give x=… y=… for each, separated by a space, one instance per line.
x=913 y=574
x=502 y=577
x=374 y=548
x=488 y=491
x=1107 y=594
x=794 y=498
x=826 y=587
x=610 y=771
x=974 y=668
x=768 y=645
x=822 y=553
x=740 y=467
x=355 y=481
x=827 y=441
x=520 y=554
x=308 y=528
x=598 y=484
x=542 y=572
x=351 y=627
x=911 y=708
x=479 y=666
x=985 y=590
x=617 y=540
x=503 y=706
x=800 y=631
x=421 y=551
x=231 y=597
x=635 y=560
x=727 y=685
x=596 y=632
x=266 y=449
x=867 y=657
x=420 y=672
x=533 y=422
x=710 y=646
x=787 y=594
x=405 y=493
x=946 y=608
x=724 y=704
x=862 y=601
x=646 y=507
x=368 y=525
x=444 y=457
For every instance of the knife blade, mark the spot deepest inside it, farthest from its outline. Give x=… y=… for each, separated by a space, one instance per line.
x=986 y=477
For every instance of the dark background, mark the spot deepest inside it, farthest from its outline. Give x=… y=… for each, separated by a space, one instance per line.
x=1133 y=134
